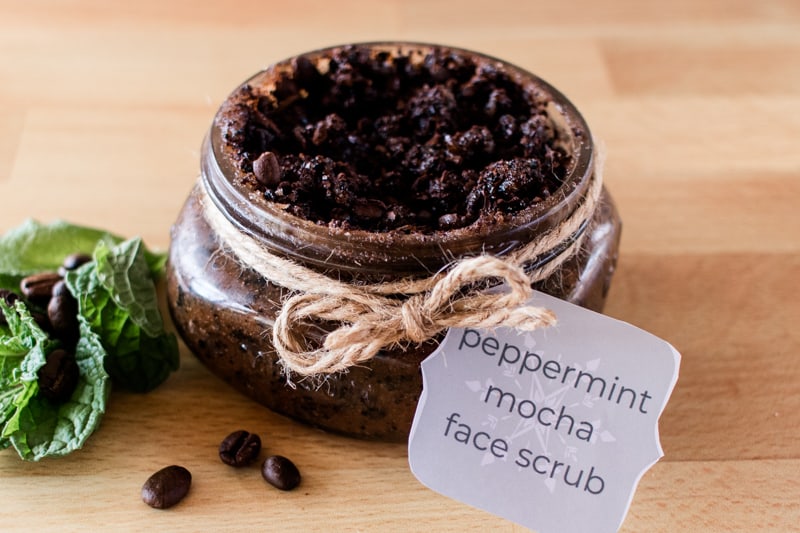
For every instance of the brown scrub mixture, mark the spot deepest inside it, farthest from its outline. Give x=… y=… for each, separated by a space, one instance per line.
x=401 y=142
x=374 y=163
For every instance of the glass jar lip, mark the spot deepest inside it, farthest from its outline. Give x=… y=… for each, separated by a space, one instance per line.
x=394 y=252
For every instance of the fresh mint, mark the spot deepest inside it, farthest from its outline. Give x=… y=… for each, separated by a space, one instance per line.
x=35 y=247
x=35 y=426
x=23 y=350
x=122 y=335
x=117 y=297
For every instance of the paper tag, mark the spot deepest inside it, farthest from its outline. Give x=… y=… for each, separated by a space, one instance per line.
x=551 y=429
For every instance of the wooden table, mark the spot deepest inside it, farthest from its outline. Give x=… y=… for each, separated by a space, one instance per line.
x=102 y=111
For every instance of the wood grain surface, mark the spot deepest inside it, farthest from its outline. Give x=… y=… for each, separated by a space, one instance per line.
x=103 y=107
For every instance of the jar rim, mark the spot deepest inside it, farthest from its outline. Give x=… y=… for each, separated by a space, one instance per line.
x=395 y=252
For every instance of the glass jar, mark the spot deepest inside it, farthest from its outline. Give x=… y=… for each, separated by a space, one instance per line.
x=224 y=310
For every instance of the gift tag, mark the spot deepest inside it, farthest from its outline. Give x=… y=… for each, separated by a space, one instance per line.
x=551 y=429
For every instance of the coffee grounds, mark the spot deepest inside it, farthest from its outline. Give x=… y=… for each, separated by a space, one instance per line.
x=379 y=141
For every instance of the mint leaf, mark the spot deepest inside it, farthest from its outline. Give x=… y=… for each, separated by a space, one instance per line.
x=117 y=298
x=124 y=273
x=32 y=424
x=16 y=342
x=120 y=329
x=41 y=428
x=35 y=247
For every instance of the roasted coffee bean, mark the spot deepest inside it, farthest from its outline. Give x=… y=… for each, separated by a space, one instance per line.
x=240 y=448
x=42 y=321
x=280 y=472
x=62 y=310
x=38 y=287
x=166 y=487
x=368 y=209
x=59 y=376
x=9 y=297
x=72 y=262
x=267 y=169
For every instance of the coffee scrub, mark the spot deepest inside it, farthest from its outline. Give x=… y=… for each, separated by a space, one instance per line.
x=355 y=202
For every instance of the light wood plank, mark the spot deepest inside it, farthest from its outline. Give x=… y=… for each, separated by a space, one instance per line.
x=693 y=66
x=733 y=317
x=103 y=107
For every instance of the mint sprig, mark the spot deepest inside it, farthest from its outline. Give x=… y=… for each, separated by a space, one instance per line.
x=122 y=335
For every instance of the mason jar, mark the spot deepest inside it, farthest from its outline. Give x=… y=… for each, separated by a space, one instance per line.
x=224 y=309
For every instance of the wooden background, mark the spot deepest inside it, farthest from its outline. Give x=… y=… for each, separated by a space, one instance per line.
x=103 y=107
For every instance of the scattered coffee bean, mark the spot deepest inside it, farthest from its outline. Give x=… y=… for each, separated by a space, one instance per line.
x=73 y=261
x=38 y=287
x=62 y=311
x=166 y=487
x=240 y=448
x=280 y=472
x=59 y=376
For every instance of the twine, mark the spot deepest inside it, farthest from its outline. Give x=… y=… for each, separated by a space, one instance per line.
x=378 y=316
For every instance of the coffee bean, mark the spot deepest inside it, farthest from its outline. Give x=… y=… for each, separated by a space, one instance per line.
x=9 y=297
x=42 y=321
x=280 y=472
x=267 y=169
x=166 y=487
x=368 y=209
x=240 y=448
x=73 y=261
x=62 y=310
x=38 y=287
x=59 y=376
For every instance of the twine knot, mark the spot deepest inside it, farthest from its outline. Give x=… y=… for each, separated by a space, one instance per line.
x=369 y=322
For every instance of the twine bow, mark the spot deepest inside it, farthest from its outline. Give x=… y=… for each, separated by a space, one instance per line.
x=371 y=322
